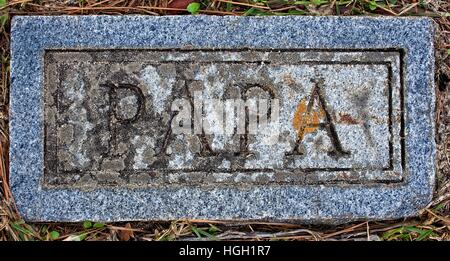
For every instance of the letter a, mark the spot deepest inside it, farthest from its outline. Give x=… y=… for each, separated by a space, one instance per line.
x=306 y=120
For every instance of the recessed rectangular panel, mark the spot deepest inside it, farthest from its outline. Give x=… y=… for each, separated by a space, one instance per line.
x=153 y=117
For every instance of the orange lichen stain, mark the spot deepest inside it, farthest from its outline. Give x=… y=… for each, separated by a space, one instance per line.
x=306 y=121
x=347 y=119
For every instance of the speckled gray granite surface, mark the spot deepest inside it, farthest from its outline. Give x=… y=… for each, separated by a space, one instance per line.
x=324 y=202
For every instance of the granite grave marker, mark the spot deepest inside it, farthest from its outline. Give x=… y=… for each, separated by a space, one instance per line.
x=316 y=119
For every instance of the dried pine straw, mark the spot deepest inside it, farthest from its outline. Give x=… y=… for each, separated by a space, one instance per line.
x=433 y=223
